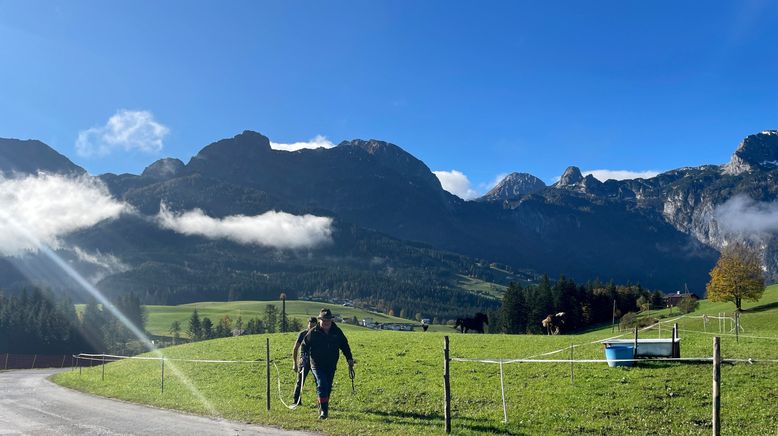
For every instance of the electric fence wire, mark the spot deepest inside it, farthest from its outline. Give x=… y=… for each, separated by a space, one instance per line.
x=114 y=358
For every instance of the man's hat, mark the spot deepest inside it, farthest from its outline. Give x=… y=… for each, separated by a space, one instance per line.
x=325 y=314
x=312 y=319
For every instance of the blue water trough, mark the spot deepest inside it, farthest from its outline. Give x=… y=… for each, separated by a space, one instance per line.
x=614 y=353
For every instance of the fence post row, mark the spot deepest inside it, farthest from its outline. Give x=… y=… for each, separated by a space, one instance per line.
x=446 y=386
x=716 y=386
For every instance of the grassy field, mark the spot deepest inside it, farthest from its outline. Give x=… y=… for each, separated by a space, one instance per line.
x=161 y=317
x=399 y=384
x=481 y=287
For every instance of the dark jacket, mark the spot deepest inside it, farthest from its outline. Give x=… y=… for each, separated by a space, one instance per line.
x=324 y=348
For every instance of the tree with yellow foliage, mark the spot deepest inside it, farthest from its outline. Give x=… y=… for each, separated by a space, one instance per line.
x=737 y=275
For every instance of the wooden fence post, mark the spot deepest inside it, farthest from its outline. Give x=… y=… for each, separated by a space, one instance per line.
x=267 y=366
x=34 y=358
x=737 y=326
x=635 y=345
x=6 y=360
x=103 y=367
x=572 y=380
x=674 y=351
x=716 y=386
x=446 y=387
x=613 y=321
x=162 y=379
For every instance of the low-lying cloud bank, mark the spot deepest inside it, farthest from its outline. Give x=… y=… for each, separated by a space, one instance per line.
x=742 y=215
x=603 y=175
x=318 y=142
x=45 y=207
x=271 y=229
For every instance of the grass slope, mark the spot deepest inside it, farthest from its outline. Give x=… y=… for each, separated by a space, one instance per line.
x=399 y=389
x=161 y=317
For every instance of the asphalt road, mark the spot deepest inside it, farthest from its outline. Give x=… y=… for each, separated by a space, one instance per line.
x=32 y=405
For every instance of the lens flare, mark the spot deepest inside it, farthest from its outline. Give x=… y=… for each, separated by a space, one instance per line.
x=94 y=292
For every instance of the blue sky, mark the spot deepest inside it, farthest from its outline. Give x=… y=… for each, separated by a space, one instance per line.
x=483 y=88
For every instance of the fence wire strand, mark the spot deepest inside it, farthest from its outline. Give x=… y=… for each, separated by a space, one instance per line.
x=115 y=358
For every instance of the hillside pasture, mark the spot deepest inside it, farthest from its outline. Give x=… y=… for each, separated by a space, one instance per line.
x=161 y=317
x=399 y=382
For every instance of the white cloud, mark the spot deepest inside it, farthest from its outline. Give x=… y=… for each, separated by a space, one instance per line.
x=318 y=142
x=745 y=216
x=603 y=175
x=456 y=183
x=126 y=130
x=272 y=229
x=46 y=207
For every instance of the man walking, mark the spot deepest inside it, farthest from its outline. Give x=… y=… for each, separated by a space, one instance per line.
x=301 y=366
x=322 y=344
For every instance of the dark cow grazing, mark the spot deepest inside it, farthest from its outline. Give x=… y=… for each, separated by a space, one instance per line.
x=553 y=322
x=475 y=324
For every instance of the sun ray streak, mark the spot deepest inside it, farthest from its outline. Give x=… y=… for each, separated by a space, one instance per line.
x=94 y=292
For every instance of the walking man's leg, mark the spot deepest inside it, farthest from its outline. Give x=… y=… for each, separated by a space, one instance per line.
x=323 y=388
x=298 y=386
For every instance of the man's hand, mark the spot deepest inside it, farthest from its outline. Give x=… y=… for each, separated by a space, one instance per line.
x=351 y=362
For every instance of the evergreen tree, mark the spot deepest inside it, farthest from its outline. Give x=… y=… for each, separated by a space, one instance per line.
x=513 y=312
x=195 y=329
x=208 y=332
x=175 y=330
x=271 y=318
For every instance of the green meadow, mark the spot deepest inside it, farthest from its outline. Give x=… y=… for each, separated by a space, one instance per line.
x=398 y=386
x=161 y=317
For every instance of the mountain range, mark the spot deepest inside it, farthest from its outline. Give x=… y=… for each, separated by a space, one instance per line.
x=398 y=240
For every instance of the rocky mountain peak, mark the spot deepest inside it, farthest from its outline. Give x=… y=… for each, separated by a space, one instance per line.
x=571 y=176
x=30 y=156
x=163 y=169
x=758 y=151
x=513 y=186
x=241 y=149
x=394 y=157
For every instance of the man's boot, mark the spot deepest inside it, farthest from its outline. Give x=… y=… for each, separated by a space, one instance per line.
x=324 y=409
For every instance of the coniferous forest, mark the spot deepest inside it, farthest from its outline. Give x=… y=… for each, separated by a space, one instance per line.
x=37 y=322
x=586 y=305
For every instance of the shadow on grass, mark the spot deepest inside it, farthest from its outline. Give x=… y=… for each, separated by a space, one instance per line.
x=435 y=420
x=669 y=364
x=762 y=308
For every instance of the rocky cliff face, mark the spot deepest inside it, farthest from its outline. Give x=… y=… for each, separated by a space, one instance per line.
x=514 y=186
x=30 y=156
x=755 y=152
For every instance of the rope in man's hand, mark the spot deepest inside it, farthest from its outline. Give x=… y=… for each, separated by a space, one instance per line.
x=352 y=374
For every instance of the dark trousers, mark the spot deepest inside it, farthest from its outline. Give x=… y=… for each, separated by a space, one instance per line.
x=324 y=378
x=301 y=375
